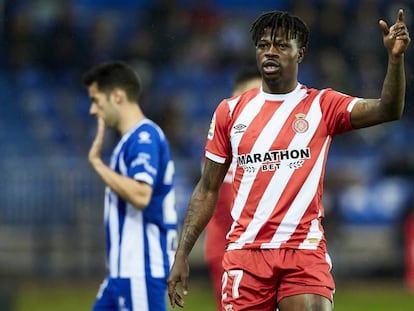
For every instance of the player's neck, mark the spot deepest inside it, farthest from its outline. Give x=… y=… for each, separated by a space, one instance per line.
x=130 y=119
x=279 y=87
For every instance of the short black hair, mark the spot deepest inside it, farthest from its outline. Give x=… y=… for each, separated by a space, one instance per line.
x=293 y=26
x=110 y=75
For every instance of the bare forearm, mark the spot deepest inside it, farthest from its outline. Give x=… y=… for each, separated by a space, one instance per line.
x=202 y=204
x=396 y=40
x=393 y=90
x=130 y=190
x=198 y=214
x=390 y=106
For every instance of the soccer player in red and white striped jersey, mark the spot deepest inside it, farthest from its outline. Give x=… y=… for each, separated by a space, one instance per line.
x=278 y=138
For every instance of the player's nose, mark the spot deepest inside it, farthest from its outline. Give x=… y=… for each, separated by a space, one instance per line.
x=272 y=50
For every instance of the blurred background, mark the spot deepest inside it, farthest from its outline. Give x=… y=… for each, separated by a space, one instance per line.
x=187 y=53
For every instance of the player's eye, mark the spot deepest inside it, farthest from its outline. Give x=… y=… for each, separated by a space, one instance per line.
x=283 y=46
x=263 y=45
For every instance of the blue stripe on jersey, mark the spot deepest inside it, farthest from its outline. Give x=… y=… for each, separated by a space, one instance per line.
x=106 y=218
x=121 y=220
x=132 y=235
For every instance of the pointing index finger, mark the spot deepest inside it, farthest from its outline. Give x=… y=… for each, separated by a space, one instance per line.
x=400 y=17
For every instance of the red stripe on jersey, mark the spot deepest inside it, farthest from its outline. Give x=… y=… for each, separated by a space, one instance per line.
x=279 y=144
x=261 y=119
x=282 y=142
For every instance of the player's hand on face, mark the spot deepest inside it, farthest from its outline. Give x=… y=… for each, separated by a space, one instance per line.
x=396 y=38
x=179 y=273
x=96 y=147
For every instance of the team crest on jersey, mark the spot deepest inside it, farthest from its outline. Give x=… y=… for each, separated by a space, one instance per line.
x=212 y=128
x=300 y=125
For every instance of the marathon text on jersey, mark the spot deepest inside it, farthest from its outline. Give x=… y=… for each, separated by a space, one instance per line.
x=271 y=160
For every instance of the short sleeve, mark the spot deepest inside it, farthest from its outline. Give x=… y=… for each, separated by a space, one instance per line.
x=218 y=138
x=336 y=109
x=142 y=155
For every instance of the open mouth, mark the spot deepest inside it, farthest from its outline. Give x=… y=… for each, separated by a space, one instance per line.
x=270 y=66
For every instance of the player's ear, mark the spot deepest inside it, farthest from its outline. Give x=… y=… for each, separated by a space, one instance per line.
x=301 y=54
x=118 y=95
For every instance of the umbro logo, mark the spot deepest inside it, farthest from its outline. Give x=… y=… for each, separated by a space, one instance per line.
x=240 y=128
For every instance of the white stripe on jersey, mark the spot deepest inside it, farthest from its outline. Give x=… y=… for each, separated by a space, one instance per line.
x=298 y=208
x=155 y=252
x=144 y=177
x=111 y=218
x=313 y=234
x=126 y=256
x=215 y=158
x=139 y=296
x=309 y=188
x=272 y=129
x=172 y=237
x=131 y=261
x=113 y=232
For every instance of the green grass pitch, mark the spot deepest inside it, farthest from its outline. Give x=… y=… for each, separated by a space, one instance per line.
x=79 y=296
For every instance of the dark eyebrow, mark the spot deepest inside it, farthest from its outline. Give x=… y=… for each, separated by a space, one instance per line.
x=276 y=40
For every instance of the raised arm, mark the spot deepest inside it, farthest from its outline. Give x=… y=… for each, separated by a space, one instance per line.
x=199 y=212
x=389 y=107
x=135 y=192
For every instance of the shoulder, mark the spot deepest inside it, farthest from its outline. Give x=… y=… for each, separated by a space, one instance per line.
x=247 y=95
x=327 y=94
x=149 y=126
x=229 y=104
x=333 y=96
x=310 y=91
x=147 y=132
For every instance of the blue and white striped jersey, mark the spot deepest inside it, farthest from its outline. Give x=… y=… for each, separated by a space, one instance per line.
x=142 y=242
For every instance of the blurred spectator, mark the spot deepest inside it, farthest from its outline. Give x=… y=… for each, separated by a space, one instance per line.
x=21 y=41
x=68 y=45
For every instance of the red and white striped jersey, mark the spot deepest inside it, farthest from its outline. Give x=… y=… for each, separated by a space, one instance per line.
x=278 y=144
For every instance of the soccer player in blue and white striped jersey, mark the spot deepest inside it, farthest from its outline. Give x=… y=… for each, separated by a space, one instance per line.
x=140 y=215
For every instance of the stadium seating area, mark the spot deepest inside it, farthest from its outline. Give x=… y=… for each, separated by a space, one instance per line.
x=186 y=53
